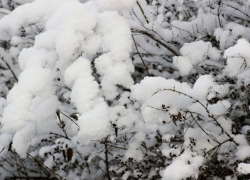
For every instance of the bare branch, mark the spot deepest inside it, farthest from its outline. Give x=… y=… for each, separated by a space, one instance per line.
x=142 y=12
x=113 y=146
x=236 y=9
x=141 y=57
x=14 y=75
x=68 y=117
x=17 y=165
x=44 y=166
x=167 y=46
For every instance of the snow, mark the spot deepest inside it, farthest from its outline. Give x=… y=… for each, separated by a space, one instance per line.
x=115 y=63
x=199 y=50
x=78 y=77
x=238 y=58
x=243 y=152
x=94 y=124
x=243 y=168
x=226 y=124
x=79 y=57
x=117 y=5
x=69 y=30
x=202 y=86
x=219 y=108
x=230 y=33
x=5 y=140
x=183 y=64
x=22 y=138
x=181 y=169
x=37 y=13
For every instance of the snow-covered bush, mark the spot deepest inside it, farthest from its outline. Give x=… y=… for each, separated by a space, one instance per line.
x=146 y=89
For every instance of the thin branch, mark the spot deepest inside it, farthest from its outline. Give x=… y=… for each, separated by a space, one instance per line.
x=218 y=13
x=17 y=165
x=113 y=146
x=181 y=29
x=14 y=75
x=142 y=12
x=209 y=135
x=62 y=124
x=60 y=135
x=218 y=146
x=186 y=13
x=236 y=9
x=69 y=118
x=106 y=159
x=45 y=166
x=157 y=40
x=141 y=57
x=103 y=171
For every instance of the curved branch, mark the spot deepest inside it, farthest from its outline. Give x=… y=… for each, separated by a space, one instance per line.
x=167 y=46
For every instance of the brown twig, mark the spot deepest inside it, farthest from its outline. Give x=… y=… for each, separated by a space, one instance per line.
x=69 y=118
x=181 y=29
x=176 y=53
x=45 y=166
x=218 y=146
x=141 y=57
x=209 y=135
x=142 y=12
x=186 y=13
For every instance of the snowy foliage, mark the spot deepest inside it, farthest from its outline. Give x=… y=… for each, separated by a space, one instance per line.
x=146 y=89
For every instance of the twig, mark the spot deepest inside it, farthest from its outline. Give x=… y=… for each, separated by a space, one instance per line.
x=181 y=29
x=10 y=69
x=103 y=171
x=113 y=146
x=218 y=146
x=222 y=173
x=106 y=159
x=62 y=124
x=209 y=135
x=209 y=115
x=141 y=57
x=186 y=13
x=218 y=13
x=45 y=166
x=17 y=165
x=69 y=118
x=60 y=135
x=142 y=12
x=155 y=39
x=129 y=138
x=236 y=9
